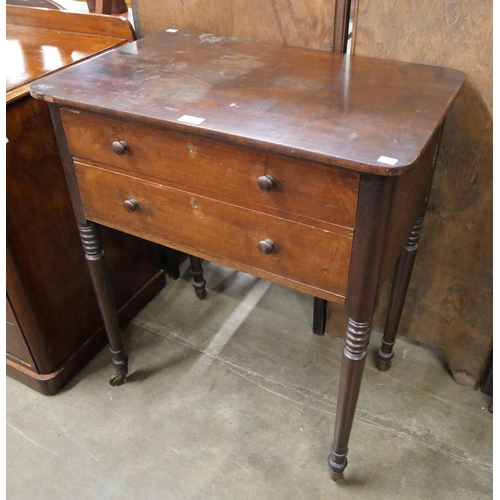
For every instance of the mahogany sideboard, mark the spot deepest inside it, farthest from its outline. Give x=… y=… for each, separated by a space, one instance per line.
x=308 y=168
x=54 y=325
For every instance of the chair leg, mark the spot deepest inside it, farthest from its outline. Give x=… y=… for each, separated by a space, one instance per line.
x=319 y=316
x=198 y=282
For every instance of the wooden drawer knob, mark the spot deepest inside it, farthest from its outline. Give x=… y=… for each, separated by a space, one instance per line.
x=266 y=246
x=120 y=147
x=131 y=205
x=266 y=183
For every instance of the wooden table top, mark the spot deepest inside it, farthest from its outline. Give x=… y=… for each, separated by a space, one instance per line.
x=34 y=52
x=361 y=113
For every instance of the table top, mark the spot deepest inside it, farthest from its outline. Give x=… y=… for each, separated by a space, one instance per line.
x=360 y=113
x=33 y=52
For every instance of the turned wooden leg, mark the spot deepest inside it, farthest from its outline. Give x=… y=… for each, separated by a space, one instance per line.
x=319 y=316
x=401 y=281
x=169 y=262
x=198 y=282
x=351 y=374
x=94 y=253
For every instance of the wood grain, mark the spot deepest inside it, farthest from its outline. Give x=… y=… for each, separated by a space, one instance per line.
x=95 y=24
x=15 y=344
x=31 y=55
x=40 y=41
x=303 y=23
x=43 y=4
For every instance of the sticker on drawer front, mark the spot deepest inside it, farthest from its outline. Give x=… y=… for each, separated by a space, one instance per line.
x=386 y=159
x=190 y=119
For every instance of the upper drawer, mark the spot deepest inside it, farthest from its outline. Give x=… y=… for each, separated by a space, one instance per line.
x=312 y=190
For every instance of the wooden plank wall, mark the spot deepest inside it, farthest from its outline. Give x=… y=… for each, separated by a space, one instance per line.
x=302 y=23
x=449 y=303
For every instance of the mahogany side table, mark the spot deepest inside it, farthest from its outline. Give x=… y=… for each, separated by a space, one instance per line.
x=307 y=168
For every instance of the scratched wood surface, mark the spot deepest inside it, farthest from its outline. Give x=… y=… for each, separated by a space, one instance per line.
x=449 y=303
x=309 y=104
x=302 y=23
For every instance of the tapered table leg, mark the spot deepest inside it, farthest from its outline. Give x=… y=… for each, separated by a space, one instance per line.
x=351 y=374
x=199 y=282
x=401 y=281
x=94 y=253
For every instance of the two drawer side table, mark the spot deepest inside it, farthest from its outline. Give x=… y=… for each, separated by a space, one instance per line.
x=307 y=168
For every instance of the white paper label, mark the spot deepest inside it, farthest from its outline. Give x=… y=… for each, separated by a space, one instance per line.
x=190 y=119
x=171 y=30
x=386 y=159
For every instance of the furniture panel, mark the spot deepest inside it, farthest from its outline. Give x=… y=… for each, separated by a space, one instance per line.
x=14 y=340
x=71 y=22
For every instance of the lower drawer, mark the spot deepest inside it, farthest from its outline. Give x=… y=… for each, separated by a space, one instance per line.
x=222 y=232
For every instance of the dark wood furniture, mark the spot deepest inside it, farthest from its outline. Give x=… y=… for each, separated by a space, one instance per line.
x=304 y=167
x=53 y=322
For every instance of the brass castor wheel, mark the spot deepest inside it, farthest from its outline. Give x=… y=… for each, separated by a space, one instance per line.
x=384 y=361
x=336 y=475
x=117 y=380
x=336 y=469
x=201 y=294
x=383 y=366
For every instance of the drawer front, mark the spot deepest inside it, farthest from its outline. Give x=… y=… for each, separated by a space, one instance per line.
x=223 y=232
x=312 y=190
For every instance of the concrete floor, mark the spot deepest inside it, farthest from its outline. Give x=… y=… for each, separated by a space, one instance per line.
x=234 y=398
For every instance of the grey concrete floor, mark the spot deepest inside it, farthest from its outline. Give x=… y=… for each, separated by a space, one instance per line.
x=234 y=398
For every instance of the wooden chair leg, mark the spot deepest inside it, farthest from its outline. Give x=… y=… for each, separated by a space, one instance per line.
x=319 y=316
x=94 y=254
x=401 y=281
x=199 y=283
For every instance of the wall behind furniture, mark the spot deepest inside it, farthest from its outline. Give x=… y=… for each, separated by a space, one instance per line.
x=449 y=303
x=294 y=22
